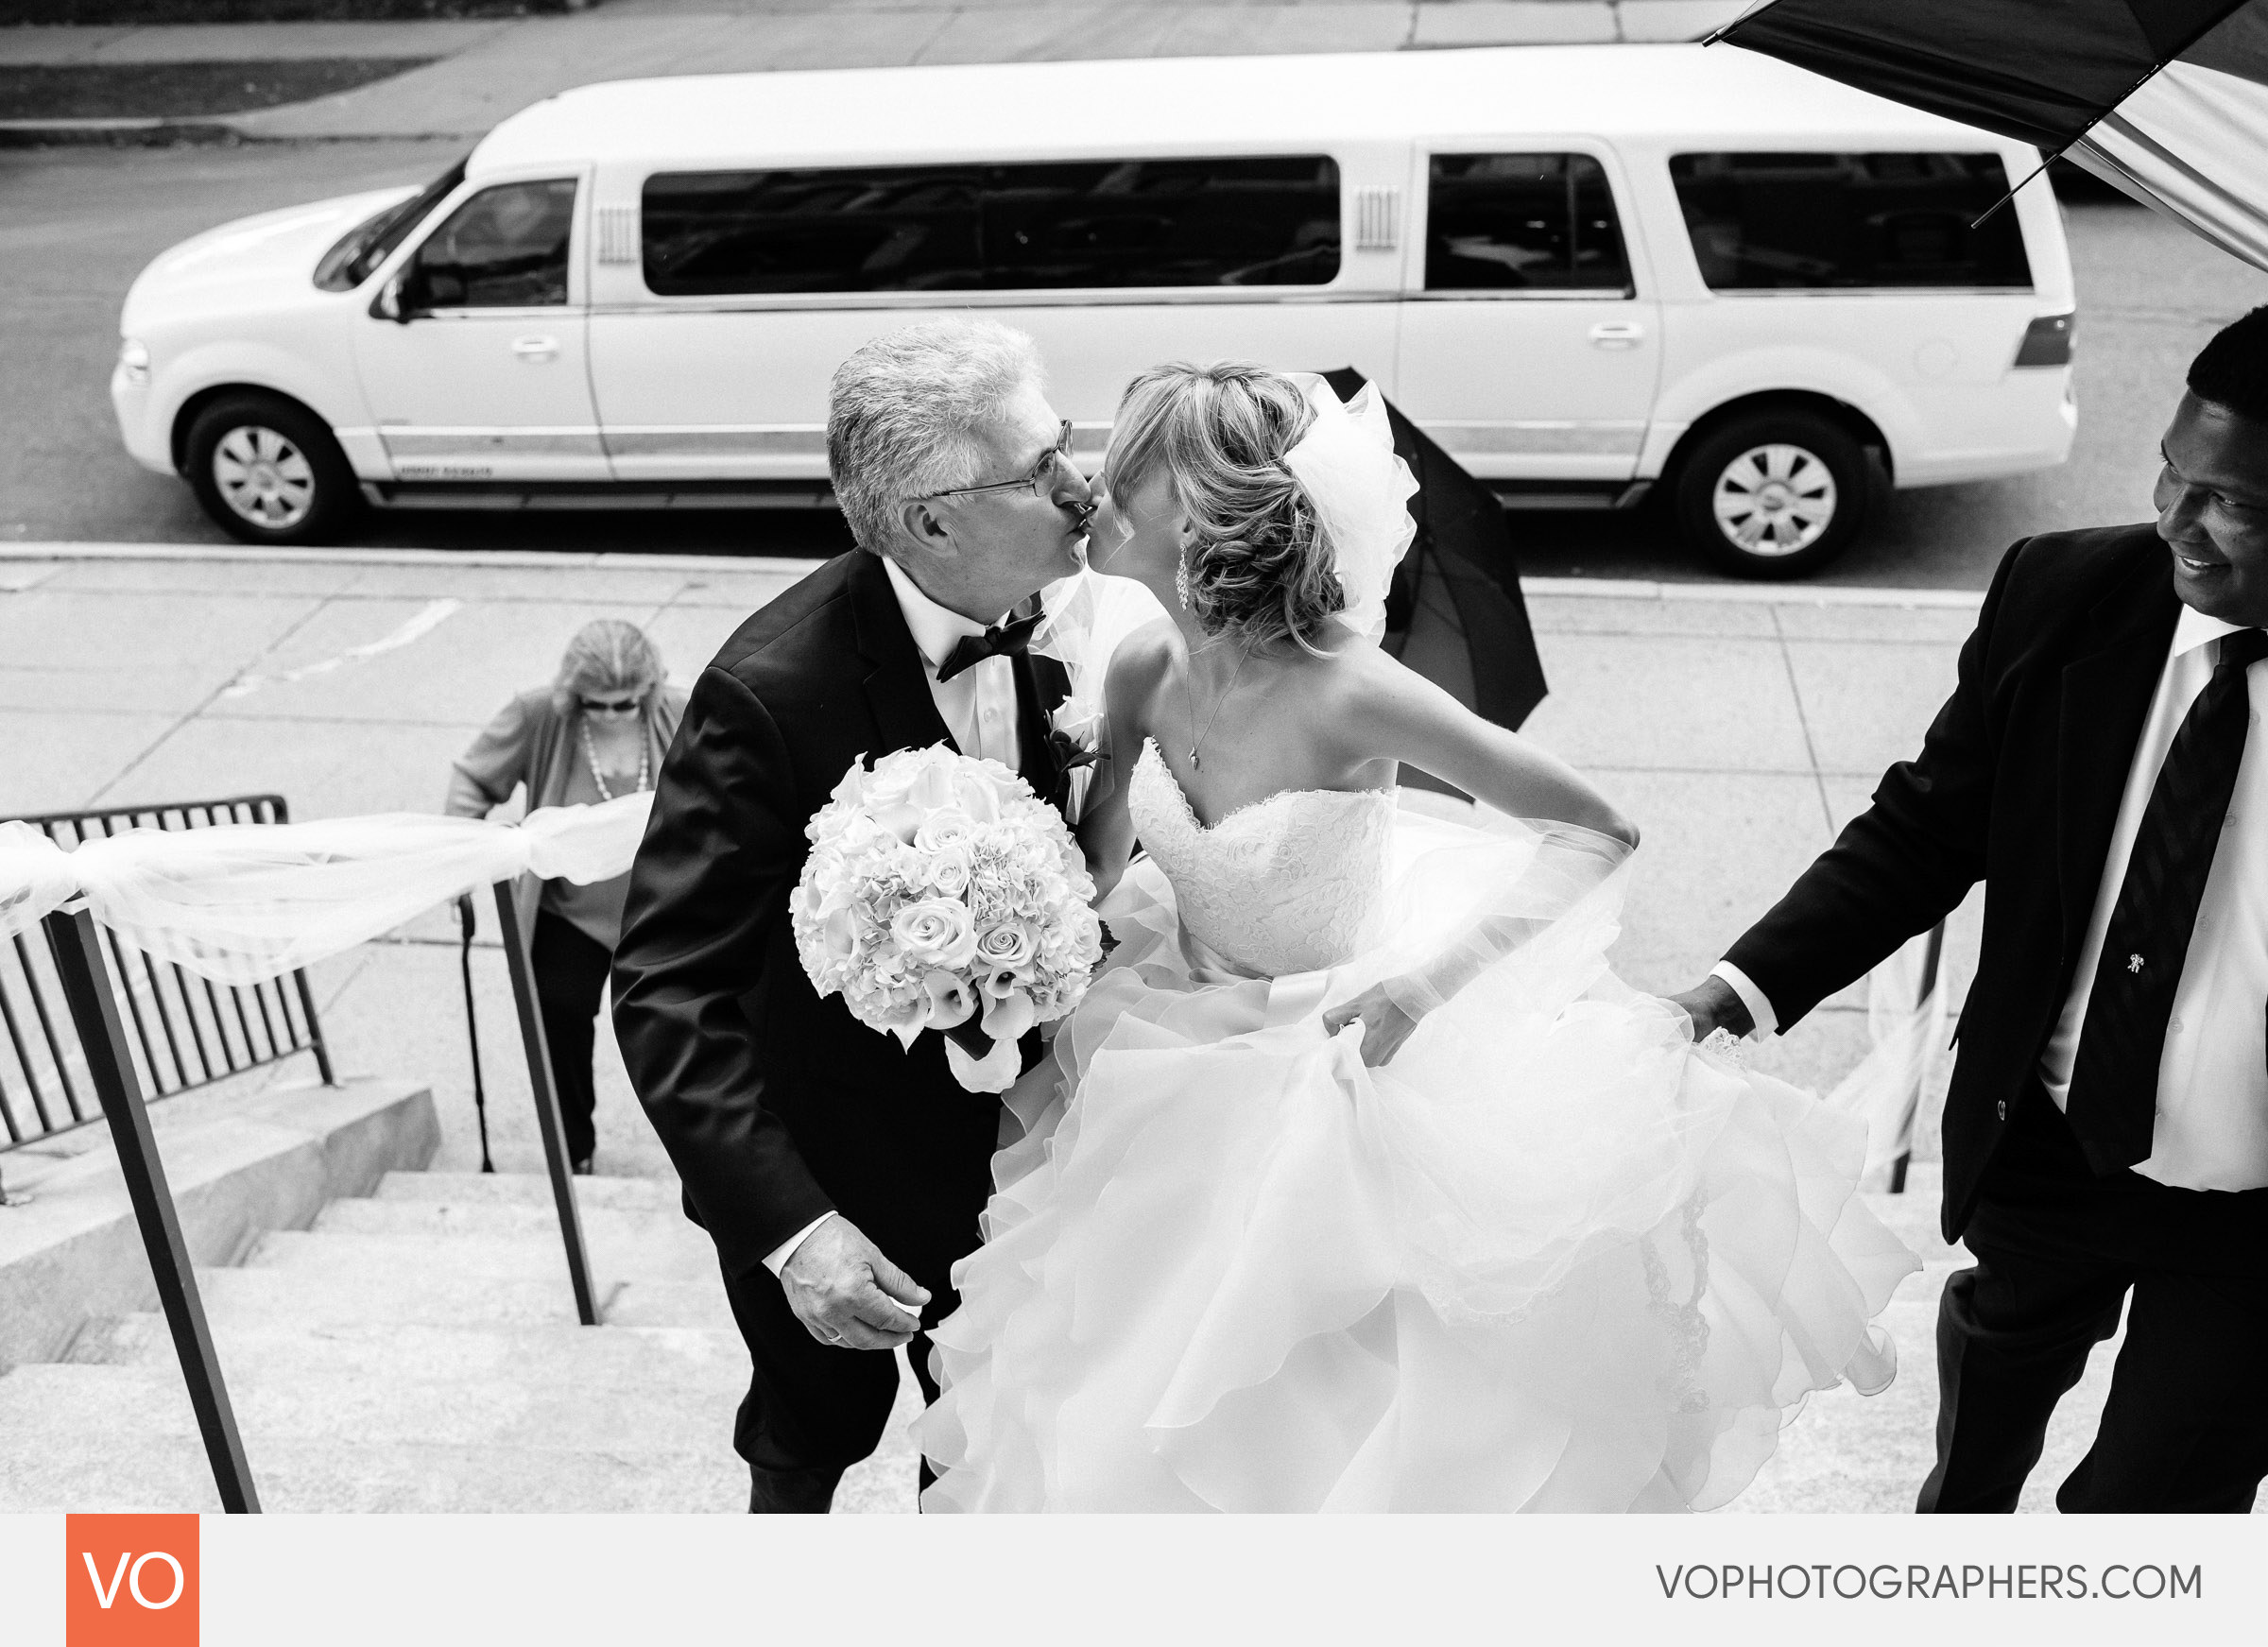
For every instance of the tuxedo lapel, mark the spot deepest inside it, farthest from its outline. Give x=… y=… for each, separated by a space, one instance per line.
x=2107 y=696
x=897 y=683
x=1041 y=684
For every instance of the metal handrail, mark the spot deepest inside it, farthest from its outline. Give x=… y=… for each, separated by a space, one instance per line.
x=537 y=1049
x=186 y=1032
x=77 y=944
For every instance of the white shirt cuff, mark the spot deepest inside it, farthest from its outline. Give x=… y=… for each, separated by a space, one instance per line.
x=776 y=1260
x=1758 y=1003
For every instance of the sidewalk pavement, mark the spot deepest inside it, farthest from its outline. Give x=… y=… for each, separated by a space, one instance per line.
x=487 y=70
x=1740 y=726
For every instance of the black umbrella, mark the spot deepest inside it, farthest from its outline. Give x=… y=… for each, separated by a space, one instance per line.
x=2167 y=100
x=1454 y=612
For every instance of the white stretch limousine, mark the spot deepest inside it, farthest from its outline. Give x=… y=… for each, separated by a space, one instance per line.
x=1586 y=271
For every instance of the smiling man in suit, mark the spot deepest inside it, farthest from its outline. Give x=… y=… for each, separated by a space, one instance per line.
x=2099 y=767
x=839 y=1176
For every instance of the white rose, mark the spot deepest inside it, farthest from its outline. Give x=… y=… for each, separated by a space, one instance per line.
x=984 y=789
x=1078 y=719
x=936 y=933
x=1009 y=945
x=947 y=826
x=948 y=870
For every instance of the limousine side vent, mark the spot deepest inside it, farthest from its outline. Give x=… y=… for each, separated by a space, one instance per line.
x=1377 y=219
x=618 y=234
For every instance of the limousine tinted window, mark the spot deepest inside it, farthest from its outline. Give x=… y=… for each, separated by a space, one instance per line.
x=1243 y=221
x=1828 y=220
x=503 y=248
x=1538 y=222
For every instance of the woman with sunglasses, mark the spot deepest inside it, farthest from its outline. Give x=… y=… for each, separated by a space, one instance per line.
x=597 y=731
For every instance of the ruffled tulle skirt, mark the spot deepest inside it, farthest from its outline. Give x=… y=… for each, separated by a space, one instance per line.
x=1552 y=1257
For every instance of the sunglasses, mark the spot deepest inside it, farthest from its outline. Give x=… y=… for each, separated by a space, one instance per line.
x=1034 y=482
x=597 y=706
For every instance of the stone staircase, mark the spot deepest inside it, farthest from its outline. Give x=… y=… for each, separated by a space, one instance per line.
x=416 y=1349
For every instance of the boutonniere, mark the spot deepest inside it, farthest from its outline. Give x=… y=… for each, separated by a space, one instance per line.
x=1070 y=748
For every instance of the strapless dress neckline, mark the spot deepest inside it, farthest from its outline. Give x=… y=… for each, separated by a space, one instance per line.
x=1152 y=752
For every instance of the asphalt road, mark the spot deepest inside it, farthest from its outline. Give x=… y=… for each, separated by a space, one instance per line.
x=76 y=225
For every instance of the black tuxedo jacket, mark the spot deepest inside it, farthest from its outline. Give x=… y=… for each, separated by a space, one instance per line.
x=777 y=1107
x=2018 y=785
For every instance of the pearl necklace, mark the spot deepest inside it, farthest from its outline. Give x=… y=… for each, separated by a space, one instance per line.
x=591 y=756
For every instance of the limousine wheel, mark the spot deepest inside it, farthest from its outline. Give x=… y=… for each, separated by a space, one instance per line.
x=1776 y=495
x=268 y=471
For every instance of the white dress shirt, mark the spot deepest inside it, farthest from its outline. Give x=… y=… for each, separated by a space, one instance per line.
x=2213 y=1080
x=978 y=707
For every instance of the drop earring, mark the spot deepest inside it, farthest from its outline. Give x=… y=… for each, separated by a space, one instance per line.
x=1181 y=580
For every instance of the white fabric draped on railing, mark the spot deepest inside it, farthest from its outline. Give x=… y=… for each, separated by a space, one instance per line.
x=241 y=903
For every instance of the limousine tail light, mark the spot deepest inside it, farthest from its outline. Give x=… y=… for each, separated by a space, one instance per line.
x=2047 y=341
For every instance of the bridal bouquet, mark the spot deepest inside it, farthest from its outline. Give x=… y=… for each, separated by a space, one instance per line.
x=941 y=894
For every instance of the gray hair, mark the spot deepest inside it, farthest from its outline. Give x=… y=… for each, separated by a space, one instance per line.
x=609 y=655
x=905 y=412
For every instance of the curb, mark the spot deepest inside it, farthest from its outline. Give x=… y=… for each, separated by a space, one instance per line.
x=1554 y=588
x=122 y=133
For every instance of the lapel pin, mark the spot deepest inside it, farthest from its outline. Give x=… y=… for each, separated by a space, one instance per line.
x=2133 y=963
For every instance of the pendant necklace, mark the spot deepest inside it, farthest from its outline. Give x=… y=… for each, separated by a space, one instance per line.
x=1197 y=738
x=590 y=756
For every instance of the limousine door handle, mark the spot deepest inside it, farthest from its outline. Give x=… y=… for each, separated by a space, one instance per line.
x=536 y=348
x=1617 y=335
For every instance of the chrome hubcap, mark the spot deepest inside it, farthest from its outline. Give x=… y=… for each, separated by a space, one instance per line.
x=1774 y=500
x=263 y=477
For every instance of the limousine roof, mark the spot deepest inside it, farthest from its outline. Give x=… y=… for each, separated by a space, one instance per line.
x=1035 y=111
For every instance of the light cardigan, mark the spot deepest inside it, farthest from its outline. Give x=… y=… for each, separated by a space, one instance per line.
x=532 y=742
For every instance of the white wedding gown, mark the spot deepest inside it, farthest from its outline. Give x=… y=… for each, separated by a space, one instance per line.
x=1552 y=1257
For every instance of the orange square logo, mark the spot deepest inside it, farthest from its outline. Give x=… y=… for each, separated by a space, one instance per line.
x=130 y=1581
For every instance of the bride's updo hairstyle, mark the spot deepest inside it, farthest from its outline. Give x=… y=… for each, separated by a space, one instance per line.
x=1259 y=570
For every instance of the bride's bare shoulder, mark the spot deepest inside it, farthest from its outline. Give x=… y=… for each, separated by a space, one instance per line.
x=1140 y=664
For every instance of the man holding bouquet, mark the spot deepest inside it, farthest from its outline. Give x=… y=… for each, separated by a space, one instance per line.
x=813 y=1149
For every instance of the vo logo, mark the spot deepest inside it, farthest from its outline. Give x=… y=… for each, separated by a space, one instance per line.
x=130 y=1581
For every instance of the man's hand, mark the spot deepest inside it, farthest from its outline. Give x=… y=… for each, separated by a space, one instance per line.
x=847 y=1294
x=1385 y=1027
x=1713 y=1005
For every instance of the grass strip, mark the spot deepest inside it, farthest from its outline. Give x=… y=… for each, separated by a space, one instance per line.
x=182 y=91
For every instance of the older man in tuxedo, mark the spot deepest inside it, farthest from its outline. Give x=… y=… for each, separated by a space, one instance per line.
x=2099 y=767
x=839 y=1174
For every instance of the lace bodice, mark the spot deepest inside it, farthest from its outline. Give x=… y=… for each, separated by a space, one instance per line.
x=1292 y=883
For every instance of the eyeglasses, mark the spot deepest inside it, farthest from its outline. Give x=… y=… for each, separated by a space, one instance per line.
x=610 y=706
x=1034 y=482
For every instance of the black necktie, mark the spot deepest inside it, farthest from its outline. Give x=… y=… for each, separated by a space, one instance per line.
x=1006 y=640
x=2113 y=1102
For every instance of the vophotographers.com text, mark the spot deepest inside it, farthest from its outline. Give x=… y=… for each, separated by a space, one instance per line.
x=1913 y=1580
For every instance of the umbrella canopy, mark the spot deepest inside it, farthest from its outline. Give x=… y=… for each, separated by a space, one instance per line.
x=2166 y=100
x=1454 y=613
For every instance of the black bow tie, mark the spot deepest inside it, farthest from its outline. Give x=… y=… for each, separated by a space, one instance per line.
x=1008 y=639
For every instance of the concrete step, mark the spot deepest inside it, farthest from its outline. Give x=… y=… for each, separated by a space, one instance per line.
x=270 y=1349
x=170 y=1473
x=436 y=1298
x=127 y=1407
x=621 y=1243
x=351 y=1259
x=455 y=1300
x=657 y=1195
x=644 y=1303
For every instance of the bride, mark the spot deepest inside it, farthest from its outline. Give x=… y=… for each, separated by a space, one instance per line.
x=1358 y=1181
